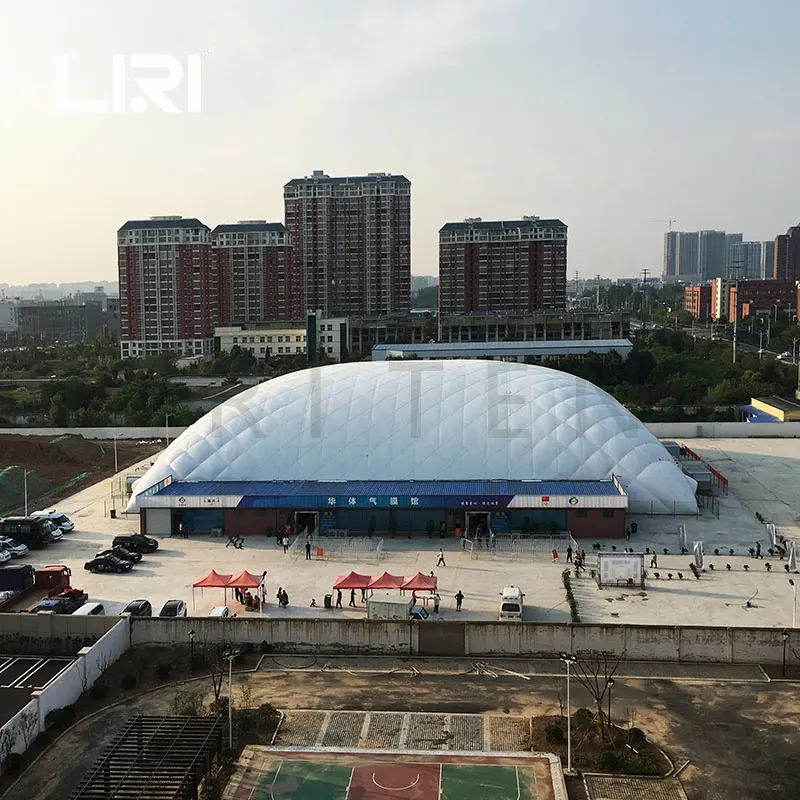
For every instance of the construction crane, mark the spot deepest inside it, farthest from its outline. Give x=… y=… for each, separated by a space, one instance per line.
x=668 y=222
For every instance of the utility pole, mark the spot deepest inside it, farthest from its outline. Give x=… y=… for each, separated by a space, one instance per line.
x=735 y=267
x=645 y=274
x=597 y=293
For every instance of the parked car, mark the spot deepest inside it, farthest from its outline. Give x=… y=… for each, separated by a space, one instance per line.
x=15 y=548
x=121 y=552
x=4 y=556
x=108 y=564
x=55 y=534
x=173 y=608
x=59 y=520
x=90 y=610
x=138 y=608
x=137 y=542
x=220 y=611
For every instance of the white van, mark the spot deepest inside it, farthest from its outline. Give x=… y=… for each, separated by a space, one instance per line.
x=59 y=520
x=89 y=610
x=220 y=611
x=511 y=607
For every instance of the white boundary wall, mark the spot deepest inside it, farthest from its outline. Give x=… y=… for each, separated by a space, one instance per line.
x=661 y=430
x=70 y=684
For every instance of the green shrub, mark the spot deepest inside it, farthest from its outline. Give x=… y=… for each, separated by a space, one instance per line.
x=163 y=670
x=218 y=707
x=98 y=691
x=69 y=712
x=264 y=647
x=188 y=704
x=43 y=739
x=554 y=734
x=631 y=764
x=610 y=761
x=55 y=719
x=246 y=648
x=582 y=718
x=636 y=737
x=12 y=764
x=128 y=682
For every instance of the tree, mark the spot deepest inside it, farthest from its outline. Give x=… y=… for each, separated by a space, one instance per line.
x=594 y=669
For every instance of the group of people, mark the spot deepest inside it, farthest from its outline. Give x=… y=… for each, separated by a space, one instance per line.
x=246 y=598
x=490 y=539
x=282 y=597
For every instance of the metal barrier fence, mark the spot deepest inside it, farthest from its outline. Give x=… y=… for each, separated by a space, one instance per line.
x=519 y=545
x=353 y=548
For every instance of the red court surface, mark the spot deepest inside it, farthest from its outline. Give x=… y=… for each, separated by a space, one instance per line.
x=272 y=774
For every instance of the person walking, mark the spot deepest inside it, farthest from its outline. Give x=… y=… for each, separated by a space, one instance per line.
x=279 y=595
x=758 y=550
x=363 y=595
x=352 y=603
x=436 y=601
x=308 y=551
x=440 y=562
x=569 y=554
x=338 y=598
x=285 y=543
x=459 y=600
x=654 y=561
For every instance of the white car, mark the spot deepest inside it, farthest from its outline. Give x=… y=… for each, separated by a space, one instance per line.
x=4 y=556
x=59 y=520
x=220 y=611
x=787 y=356
x=12 y=546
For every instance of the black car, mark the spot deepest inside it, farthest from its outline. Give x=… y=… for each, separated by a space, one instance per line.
x=123 y=553
x=137 y=542
x=138 y=608
x=108 y=564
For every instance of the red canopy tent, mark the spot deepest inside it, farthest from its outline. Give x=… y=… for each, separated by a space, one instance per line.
x=353 y=581
x=387 y=581
x=421 y=583
x=211 y=580
x=245 y=580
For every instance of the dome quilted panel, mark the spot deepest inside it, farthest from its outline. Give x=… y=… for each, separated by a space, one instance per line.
x=427 y=420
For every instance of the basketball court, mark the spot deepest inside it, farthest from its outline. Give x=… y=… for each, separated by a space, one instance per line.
x=300 y=774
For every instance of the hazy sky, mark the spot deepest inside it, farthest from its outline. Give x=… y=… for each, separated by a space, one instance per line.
x=613 y=115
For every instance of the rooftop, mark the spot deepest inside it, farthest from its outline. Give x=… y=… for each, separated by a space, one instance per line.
x=502 y=224
x=376 y=177
x=250 y=227
x=559 y=346
x=166 y=223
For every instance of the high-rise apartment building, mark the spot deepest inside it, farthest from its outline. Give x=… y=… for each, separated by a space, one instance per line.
x=351 y=240
x=787 y=255
x=670 y=269
x=767 y=266
x=744 y=260
x=502 y=267
x=712 y=255
x=167 y=288
x=254 y=272
x=687 y=249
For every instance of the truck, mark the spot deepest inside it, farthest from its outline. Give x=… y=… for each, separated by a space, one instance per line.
x=22 y=587
x=393 y=606
x=64 y=602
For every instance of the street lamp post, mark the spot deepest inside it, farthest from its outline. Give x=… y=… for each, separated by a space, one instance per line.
x=794 y=602
x=610 y=686
x=568 y=659
x=116 y=461
x=25 y=473
x=166 y=420
x=794 y=350
x=760 y=345
x=192 y=634
x=229 y=656
x=785 y=637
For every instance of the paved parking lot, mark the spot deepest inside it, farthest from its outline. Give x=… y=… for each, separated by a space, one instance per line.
x=21 y=676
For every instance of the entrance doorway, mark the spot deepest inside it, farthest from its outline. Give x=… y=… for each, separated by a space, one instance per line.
x=477 y=520
x=306 y=520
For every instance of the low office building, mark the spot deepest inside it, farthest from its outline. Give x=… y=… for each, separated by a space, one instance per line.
x=528 y=352
x=267 y=340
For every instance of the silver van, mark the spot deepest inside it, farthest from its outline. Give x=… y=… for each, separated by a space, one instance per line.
x=90 y=610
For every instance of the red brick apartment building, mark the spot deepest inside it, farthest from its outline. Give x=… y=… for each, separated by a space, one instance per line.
x=255 y=273
x=351 y=240
x=749 y=297
x=167 y=287
x=697 y=301
x=502 y=267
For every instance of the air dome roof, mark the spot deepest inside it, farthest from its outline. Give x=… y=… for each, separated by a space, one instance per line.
x=427 y=420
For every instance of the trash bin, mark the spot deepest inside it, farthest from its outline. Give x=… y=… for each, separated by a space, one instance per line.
x=328 y=601
x=113 y=513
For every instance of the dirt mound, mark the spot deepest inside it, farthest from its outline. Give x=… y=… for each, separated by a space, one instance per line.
x=36 y=449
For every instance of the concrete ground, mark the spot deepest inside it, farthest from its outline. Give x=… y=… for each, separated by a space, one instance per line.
x=761 y=473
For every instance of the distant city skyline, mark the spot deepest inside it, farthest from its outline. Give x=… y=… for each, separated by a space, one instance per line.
x=613 y=117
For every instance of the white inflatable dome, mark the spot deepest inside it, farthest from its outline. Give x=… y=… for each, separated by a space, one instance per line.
x=427 y=420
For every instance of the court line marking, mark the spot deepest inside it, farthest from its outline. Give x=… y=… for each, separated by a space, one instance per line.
x=274 y=778
x=519 y=791
x=399 y=788
x=349 y=781
x=440 y=780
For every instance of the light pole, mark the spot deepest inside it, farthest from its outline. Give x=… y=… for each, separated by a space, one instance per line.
x=760 y=345
x=785 y=637
x=192 y=634
x=610 y=685
x=229 y=655
x=25 y=473
x=794 y=350
x=568 y=659
x=116 y=461
x=167 y=416
x=794 y=602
